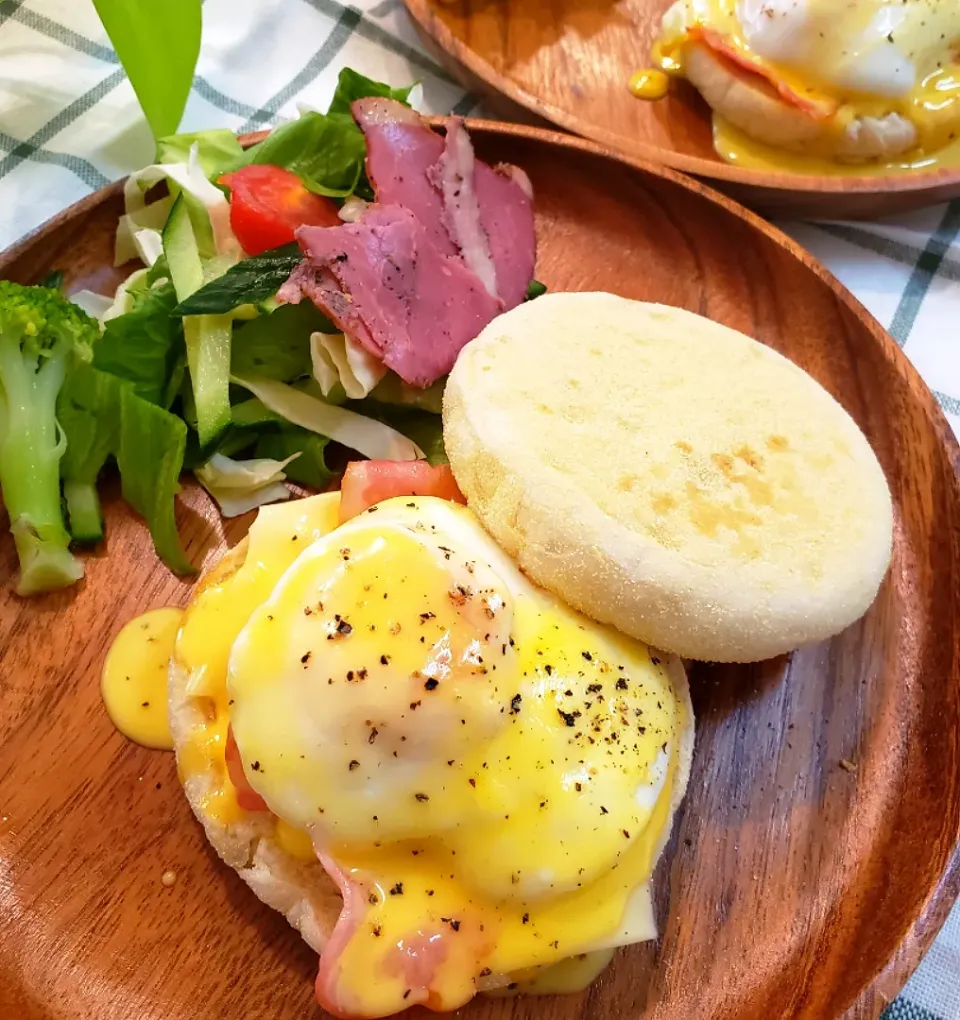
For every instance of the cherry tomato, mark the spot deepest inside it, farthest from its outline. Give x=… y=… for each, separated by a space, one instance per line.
x=268 y=203
x=366 y=482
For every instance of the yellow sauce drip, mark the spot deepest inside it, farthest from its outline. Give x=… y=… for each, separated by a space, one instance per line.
x=134 y=682
x=739 y=149
x=649 y=83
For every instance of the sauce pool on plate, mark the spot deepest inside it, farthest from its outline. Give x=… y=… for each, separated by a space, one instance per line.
x=134 y=681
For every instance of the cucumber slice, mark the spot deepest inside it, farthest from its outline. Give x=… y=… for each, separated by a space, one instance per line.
x=207 y=336
x=181 y=251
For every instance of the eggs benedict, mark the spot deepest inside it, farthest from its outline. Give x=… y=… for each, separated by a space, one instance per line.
x=861 y=82
x=446 y=779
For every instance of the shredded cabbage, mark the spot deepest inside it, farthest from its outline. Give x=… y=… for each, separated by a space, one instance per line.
x=353 y=209
x=138 y=233
x=367 y=436
x=337 y=358
x=242 y=485
x=190 y=178
x=95 y=305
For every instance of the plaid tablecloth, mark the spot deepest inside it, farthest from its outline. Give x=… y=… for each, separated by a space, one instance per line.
x=69 y=123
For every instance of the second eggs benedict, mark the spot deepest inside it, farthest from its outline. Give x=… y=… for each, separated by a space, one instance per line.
x=862 y=82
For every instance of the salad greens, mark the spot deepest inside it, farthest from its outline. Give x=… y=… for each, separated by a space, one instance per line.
x=327 y=151
x=217 y=151
x=145 y=345
x=88 y=411
x=158 y=45
x=277 y=345
x=193 y=363
x=240 y=486
x=150 y=457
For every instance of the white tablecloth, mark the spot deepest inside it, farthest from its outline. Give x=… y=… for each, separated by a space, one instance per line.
x=70 y=123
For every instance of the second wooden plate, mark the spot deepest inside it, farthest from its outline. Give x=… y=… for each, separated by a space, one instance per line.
x=569 y=62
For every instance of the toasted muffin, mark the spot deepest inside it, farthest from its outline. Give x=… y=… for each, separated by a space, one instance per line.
x=669 y=476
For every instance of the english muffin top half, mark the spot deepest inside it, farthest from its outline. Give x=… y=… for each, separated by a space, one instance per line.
x=669 y=476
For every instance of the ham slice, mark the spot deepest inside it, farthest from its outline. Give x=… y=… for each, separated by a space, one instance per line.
x=385 y=283
x=448 y=245
x=467 y=207
x=401 y=150
x=419 y=959
x=328 y=988
x=817 y=107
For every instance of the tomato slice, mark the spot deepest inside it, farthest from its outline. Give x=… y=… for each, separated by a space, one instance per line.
x=268 y=203
x=366 y=482
x=247 y=797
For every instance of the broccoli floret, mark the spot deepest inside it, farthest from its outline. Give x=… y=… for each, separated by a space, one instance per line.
x=42 y=335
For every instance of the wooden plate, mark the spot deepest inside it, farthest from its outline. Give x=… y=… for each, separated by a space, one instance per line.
x=569 y=62
x=794 y=886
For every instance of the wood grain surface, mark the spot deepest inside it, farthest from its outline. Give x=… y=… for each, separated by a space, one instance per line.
x=569 y=62
x=794 y=887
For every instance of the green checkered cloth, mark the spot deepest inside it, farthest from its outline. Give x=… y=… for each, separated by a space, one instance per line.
x=69 y=123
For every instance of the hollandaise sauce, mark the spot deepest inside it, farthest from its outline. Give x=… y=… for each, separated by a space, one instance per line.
x=134 y=682
x=649 y=83
x=485 y=774
x=739 y=149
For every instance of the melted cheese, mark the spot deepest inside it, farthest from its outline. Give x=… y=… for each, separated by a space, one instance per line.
x=134 y=680
x=570 y=975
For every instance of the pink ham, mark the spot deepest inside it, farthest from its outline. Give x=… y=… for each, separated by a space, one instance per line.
x=418 y=959
x=467 y=207
x=401 y=150
x=328 y=989
x=385 y=283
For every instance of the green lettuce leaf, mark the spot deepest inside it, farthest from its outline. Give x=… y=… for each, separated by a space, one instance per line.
x=253 y=413
x=277 y=346
x=102 y=416
x=145 y=345
x=327 y=151
x=353 y=85
x=150 y=457
x=422 y=427
x=310 y=468
x=88 y=411
x=217 y=150
x=158 y=45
